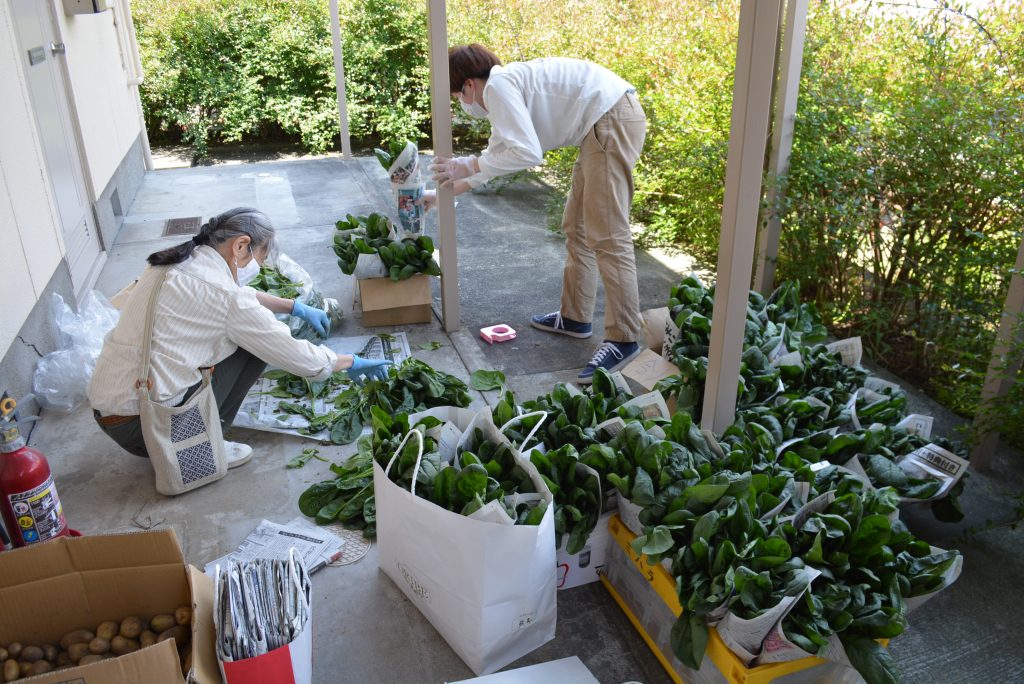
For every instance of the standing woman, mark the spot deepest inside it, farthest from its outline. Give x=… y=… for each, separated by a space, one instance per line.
x=203 y=318
x=546 y=104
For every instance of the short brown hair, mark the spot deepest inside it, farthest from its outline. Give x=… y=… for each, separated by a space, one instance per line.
x=469 y=61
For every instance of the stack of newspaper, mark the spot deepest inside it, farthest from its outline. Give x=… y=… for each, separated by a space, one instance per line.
x=260 y=605
x=317 y=545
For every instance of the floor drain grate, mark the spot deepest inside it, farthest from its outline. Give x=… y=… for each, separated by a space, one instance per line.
x=182 y=226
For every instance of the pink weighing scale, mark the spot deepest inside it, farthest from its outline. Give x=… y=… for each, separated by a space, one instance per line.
x=497 y=333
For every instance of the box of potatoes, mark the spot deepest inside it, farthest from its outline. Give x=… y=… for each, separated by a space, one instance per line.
x=116 y=609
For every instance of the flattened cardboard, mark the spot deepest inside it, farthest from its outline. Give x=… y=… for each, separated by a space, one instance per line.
x=648 y=368
x=386 y=302
x=654 y=327
x=50 y=589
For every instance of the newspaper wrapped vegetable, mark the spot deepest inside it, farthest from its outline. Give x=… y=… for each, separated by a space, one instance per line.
x=402 y=162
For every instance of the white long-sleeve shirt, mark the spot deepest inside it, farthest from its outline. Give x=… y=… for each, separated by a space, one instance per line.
x=542 y=105
x=202 y=316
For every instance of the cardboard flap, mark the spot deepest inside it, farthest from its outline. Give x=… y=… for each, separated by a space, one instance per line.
x=156 y=664
x=205 y=669
x=648 y=368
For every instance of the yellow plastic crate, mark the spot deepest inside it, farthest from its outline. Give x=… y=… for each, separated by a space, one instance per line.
x=650 y=602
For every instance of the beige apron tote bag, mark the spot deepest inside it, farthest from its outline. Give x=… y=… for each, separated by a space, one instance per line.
x=184 y=442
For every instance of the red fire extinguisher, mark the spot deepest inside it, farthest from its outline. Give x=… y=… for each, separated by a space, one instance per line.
x=28 y=498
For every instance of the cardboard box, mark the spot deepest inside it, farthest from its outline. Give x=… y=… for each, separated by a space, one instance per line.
x=53 y=588
x=654 y=327
x=386 y=302
x=587 y=565
x=647 y=368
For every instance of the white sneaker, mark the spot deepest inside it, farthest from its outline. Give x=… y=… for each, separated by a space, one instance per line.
x=237 y=453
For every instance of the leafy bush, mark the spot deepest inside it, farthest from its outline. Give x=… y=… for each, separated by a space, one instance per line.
x=902 y=210
x=223 y=70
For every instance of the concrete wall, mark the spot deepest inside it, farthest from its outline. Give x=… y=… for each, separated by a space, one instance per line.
x=119 y=193
x=104 y=101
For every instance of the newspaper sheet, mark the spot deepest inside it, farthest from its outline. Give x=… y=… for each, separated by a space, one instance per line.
x=933 y=462
x=317 y=545
x=651 y=405
x=259 y=410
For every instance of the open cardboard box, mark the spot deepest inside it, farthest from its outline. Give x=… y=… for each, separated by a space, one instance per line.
x=649 y=366
x=386 y=302
x=55 y=587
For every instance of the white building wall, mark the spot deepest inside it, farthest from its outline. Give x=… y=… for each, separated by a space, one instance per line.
x=104 y=101
x=30 y=235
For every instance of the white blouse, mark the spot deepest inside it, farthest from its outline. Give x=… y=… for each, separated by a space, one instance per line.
x=202 y=317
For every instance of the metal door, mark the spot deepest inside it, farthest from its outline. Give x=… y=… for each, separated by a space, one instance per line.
x=49 y=95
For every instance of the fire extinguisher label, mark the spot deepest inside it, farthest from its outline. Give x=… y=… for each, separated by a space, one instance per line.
x=39 y=513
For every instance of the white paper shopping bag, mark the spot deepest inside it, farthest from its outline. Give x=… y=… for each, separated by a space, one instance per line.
x=488 y=588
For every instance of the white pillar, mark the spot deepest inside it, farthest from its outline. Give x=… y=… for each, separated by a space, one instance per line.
x=441 y=129
x=339 y=80
x=755 y=63
x=782 y=139
x=1003 y=367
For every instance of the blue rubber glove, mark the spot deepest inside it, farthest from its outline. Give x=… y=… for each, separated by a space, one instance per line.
x=315 y=317
x=372 y=369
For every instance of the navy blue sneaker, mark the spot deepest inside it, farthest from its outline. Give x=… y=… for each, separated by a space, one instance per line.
x=553 y=322
x=611 y=356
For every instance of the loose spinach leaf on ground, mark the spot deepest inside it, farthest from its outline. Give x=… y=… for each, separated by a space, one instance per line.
x=304 y=458
x=429 y=346
x=484 y=380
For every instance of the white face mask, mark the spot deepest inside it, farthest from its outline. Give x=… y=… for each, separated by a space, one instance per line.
x=243 y=274
x=474 y=109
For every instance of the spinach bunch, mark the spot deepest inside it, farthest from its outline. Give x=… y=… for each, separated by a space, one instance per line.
x=823 y=368
x=576 y=489
x=371 y=234
x=573 y=416
x=802 y=321
x=272 y=281
x=348 y=498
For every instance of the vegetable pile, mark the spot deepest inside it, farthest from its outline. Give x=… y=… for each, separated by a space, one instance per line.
x=791 y=515
x=273 y=281
x=373 y=234
x=410 y=387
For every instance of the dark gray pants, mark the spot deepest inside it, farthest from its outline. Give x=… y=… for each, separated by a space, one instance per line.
x=232 y=379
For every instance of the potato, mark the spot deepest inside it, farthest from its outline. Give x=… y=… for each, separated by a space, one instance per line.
x=40 y=667
x=186 y=660
x=63 y=659
x=50 y=652
x=31 y=654
x=78 y=651
x=179 y=633
x=131 y=627
x=3 y=654
x=14 y=649
x=183 y=615
x=108 y=630
x=91 y=658
x=161 y=623
x=79 y=636
x=119 y=645
x=147 y=638
x=11 y=670
x=99 y=646
x=24 y=668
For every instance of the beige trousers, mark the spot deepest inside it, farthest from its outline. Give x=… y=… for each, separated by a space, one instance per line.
x=596 y=223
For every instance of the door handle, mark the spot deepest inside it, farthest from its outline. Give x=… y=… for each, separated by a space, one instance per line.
x=57 y=48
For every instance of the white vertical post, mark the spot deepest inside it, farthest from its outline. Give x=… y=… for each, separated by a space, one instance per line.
x=748 y=132
x=1002 y=367
x=441 y=129
x=339 y=80
x=782 y=139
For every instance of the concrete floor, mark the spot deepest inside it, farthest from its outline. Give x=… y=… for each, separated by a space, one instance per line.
x=364 y=628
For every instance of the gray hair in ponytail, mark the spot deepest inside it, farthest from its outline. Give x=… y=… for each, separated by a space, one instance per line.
x=220 y=229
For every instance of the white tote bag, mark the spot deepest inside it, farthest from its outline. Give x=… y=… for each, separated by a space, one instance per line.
x=488 y=588
x=184 y=442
